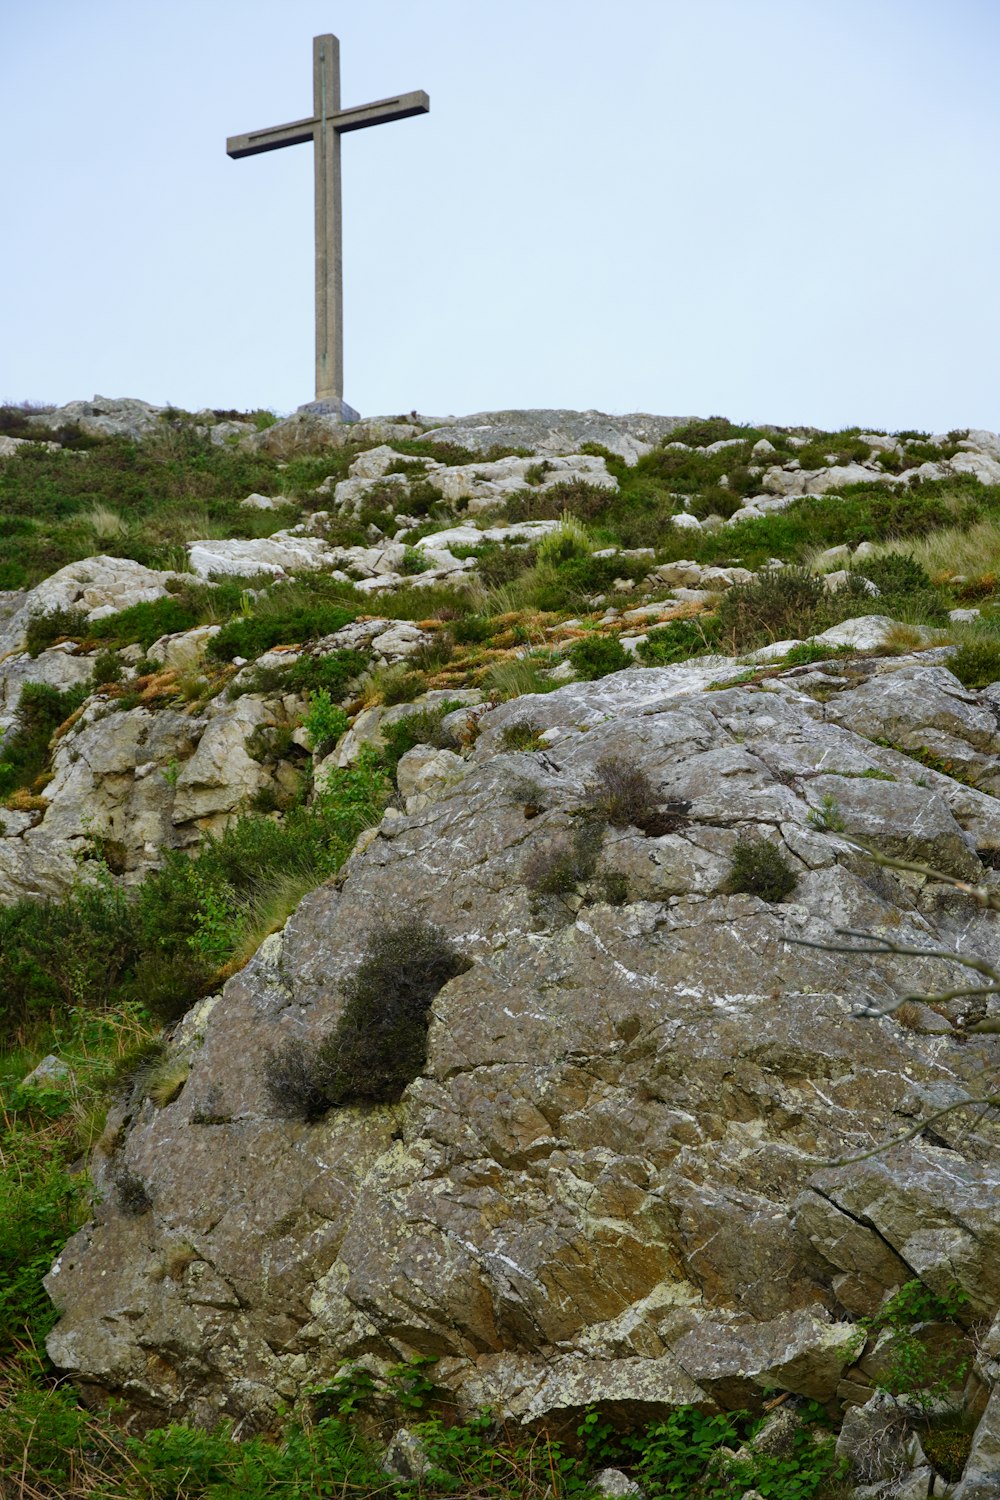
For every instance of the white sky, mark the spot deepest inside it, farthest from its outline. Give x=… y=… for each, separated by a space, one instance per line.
x=777 y=210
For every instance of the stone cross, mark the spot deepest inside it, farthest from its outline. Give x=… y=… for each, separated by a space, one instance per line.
x=325 y=127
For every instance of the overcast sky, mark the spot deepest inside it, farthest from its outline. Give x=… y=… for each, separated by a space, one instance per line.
x=777 y=210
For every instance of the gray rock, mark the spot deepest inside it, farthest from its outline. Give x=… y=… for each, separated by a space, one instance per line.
x=879 y=1443
x=981 y=1480
x=611 y=1183
x=547 y=431
x=106 y=416
x=406 y=1456
x=613 y=1482
x=51 y=1069
x=97 y=587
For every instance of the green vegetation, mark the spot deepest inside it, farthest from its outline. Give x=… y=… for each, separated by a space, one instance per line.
x=976 y=663
x=760 y=868
x=24 y=750
x=679 y=640
x=94 y=976
x=927 y=1372
x=254 y=634
x=379 y=1044
x=597 y=656
x=141 y=500
x=333 y=1445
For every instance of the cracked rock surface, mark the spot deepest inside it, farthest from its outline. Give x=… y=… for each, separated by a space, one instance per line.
x=611 y=1183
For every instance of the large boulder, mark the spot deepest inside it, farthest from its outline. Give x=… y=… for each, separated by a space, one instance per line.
x=546 y=431
x=105 y=416
x=612 y=1182
x=96 y=587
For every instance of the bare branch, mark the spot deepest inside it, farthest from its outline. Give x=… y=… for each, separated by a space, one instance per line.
x=991 y=1101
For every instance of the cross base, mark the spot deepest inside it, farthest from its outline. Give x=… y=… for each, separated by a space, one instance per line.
x=331 y=406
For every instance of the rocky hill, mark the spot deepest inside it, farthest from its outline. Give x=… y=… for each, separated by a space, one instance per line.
x=477 y=806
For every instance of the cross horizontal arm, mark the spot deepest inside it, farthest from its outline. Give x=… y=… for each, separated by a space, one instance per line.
x=381 y=112
x=257 y=141
x=300 y=131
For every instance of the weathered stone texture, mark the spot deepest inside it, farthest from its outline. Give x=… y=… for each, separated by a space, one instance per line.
x=610 y=1185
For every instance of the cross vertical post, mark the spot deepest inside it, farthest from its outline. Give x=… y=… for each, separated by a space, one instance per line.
x=328 y=123
x=329 y=227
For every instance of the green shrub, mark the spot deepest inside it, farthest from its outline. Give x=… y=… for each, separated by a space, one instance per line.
x=24 y=750
x=400 y=685
x=976 y=663
x=39 y=1209
x=145 y=623
x=498 y=565
x=107 y=669
x=332 y=673
x=679 y=640
x=559 y=865
x=597 y=655
x=841 y=447
x=44 y=630
x=324 y=723
x=379 y=1044
x=414 y=561
x=57 y=955
x=779 y=603
x=894 y=573
x=760 y=869
x=705 y=430
x=424 y=727
x=253 y=636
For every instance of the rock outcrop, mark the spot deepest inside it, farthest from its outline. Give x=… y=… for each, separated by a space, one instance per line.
x=611 y=1183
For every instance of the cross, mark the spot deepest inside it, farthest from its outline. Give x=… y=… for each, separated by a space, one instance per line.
x=327 y=124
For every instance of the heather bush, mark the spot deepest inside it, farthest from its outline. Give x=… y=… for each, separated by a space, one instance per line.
x=760 y=869
x=598 y=655
x=778 y=604
x=379 y=1044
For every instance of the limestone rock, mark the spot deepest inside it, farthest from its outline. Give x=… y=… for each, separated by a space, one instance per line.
x=56 y=668
x=221 y=776
x=106 y=416
x=185 y=651
x=33 y=864
x=878 y=1442
x=557 y=431
x=98 y=586
x=613 y=1482
x=284 y=552
x=981 y=1480
x=611 y=1184
x=406 y=1456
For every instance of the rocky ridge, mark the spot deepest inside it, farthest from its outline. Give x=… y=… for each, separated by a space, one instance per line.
x=610 y=1183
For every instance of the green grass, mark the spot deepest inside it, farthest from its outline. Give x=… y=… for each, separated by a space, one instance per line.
x=142 y=501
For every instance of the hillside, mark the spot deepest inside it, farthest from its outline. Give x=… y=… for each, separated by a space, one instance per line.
x=425 y=850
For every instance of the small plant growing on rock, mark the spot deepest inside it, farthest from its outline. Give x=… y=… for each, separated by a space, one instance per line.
x=627 y=798
x=597 y=656
x=625 y=793
x=130 y=1191
x=521 y=734
x=379 y=1045
x=558 y=866
x=827 y=817
x=760 y=869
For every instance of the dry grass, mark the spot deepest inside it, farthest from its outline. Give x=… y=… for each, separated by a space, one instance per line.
x=954 y=552
x=104 y=522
